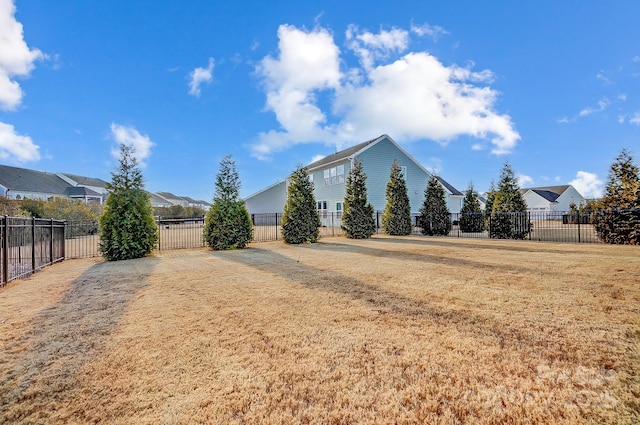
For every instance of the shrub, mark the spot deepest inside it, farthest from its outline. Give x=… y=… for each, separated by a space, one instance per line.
x=396 y=218
x=617 y=217
x=471 y=218
x=435 y=218
x=228 y=224
x=509 y=218
x=357 y=220
x=300 y=221
x=127 y=226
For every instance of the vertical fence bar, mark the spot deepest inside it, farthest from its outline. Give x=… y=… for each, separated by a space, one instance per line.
x=33 y=244
x=5 y=259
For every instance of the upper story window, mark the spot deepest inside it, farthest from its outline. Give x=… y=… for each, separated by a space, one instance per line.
x=334 y=175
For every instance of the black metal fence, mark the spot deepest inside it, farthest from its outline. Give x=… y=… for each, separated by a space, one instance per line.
x=29 y=244
x=33 y=243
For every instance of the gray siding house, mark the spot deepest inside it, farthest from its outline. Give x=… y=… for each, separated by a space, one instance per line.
x=329 y=176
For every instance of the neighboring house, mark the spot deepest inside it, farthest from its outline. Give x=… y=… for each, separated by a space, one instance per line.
x=551 y=198
x=197 y=203
x=329 y=176
x=21 y=183
x=173 y=199
x=158 y=201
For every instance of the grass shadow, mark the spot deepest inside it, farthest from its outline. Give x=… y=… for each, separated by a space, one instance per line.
x=45 y=361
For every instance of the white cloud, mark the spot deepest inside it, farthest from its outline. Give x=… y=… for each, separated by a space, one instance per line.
x=588 y=184
x=433 y=31
x=129 y=136
x=371 y=48
x=602 y=105
x=635 y=118
x=602 y=77
x=308 y=62
x=16 y=58
x=15 y=146
x=477 y=147
x=636 y=58
x=622 y=97
x=200 y=76
x=316 y=158
x=524 y=180
x=414 y=97
x=563 y=120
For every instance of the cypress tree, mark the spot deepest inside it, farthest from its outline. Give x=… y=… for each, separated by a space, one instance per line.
x=509 y=218
x=227 y=223
x=471 y=219
x=300 y=221
x=435 y=218
x=357 y=219
x=617 y=219
x=396 y=219
x=127 y=227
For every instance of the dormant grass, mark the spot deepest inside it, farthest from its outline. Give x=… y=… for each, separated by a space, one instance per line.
x=388 y=330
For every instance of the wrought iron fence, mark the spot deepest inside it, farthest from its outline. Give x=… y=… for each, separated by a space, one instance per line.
x=82 y=237
x=29 y=244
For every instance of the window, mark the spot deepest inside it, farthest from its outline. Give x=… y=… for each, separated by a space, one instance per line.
x=334 y=175
x=338 y=206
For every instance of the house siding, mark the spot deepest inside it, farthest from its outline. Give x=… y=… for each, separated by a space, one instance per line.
x=377 y=161
x=332 y=193
x=270 y=200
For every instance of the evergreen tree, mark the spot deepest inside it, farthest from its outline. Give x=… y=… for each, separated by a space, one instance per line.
x=227 y=223
x=471 y=219
x=396 y=219
x=435 y=218
x=127 y=227
x=617 y=219
x=300 y=221
x=509 y=218
x=357 y=219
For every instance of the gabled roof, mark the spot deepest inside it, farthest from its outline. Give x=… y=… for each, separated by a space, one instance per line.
x=22 y=179
x=343 y=154
x=86 y=181
x=550 y=193
x=169 y=196
x=81 y=191
x=353 y=151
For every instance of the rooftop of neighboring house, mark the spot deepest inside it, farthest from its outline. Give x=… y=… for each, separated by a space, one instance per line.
x=550 y=193
x=22 y=179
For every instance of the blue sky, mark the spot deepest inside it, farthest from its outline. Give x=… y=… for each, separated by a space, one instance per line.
x=551 y=86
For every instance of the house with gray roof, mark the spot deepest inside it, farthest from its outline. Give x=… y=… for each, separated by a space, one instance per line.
x=329 y=176
x=551 y=198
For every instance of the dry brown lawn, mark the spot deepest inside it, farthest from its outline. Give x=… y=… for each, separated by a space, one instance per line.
x=388 y=330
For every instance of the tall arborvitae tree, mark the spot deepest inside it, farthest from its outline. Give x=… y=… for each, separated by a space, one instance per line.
x=300 y=222
x=396 y=219
x=435 y=218
x=227 y=224
x=357 y=219
x=127 y=227
x=509 y=217
x=471 y=219
x=617 y=219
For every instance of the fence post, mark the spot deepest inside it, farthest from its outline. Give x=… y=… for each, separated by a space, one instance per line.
x=33 y=244
x=5 y=251
x=158 y=226
x=579 y=219
x=332 y=229
x=51 y=241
